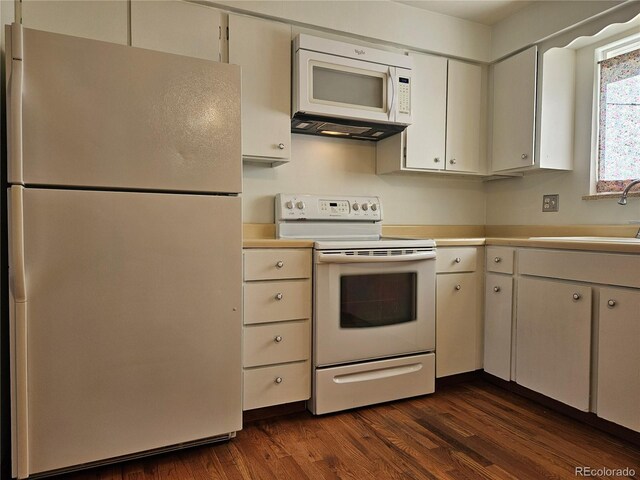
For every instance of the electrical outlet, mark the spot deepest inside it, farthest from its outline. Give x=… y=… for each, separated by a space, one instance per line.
x=551 y=203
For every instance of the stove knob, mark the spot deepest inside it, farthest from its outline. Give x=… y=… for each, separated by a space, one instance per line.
x=374 y=207
x=365 y=207
x=300 y=205
x=289 y=204
x=356 y=207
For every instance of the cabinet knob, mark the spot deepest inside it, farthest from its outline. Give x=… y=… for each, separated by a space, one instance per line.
x=611 y=303
x=524 y=156
x=577 y=296
x=452 y=161
x=436 y=160
x=281 y=146
x=458 y=260
x=279 y=296
x=458 y=287
x=278 y=338
x=497 y=259
x=496 y=289
x=280 y=263
x=278 y=380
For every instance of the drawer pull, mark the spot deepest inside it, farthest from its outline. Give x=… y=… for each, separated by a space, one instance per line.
x=279 y=264
x=497 y=259
x=611 y=303
x=279 y=296
x=458 y=287
x=278 y=380
x=458 y=260
x=278 y=338
x=577 y=296
x=496 y=289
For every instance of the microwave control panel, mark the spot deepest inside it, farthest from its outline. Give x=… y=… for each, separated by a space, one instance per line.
x=327 y=207
x=404 y=95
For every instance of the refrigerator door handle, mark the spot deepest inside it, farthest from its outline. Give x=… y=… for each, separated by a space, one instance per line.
x=18 y=289
x=14 y=134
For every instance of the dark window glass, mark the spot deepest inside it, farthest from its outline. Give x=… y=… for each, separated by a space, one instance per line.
x=377 y=300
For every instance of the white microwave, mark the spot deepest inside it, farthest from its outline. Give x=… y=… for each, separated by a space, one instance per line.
x=348 y=90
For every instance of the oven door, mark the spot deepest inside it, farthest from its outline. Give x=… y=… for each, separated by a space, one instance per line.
x=373 y=307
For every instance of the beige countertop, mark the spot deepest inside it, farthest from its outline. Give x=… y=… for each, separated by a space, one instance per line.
x=263 y=236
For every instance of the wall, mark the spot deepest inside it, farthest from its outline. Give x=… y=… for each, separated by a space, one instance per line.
x=339 y=166
x=394 y=23
x=519 y=201
x=541 y=20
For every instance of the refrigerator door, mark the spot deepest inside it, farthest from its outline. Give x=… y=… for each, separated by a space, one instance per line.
x=98 y=114
x=129 y=322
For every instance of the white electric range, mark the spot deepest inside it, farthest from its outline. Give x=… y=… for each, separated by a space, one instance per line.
x=374 y=302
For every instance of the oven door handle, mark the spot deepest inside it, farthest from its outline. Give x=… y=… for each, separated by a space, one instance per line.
x=324 y=257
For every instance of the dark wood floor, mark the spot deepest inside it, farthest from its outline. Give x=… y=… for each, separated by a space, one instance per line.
x=470 y=431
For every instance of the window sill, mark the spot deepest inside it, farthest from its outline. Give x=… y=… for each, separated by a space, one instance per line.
x=603 y=196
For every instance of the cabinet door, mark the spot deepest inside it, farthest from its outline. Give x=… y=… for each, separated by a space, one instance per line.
x=497 y=325
x=464 y=102
x=106 y=21
x=619 y=357
x=514 y=106
x=263 y=50
x=553 y=339
x=176 y=27
x=426 y=134
x=456 y=324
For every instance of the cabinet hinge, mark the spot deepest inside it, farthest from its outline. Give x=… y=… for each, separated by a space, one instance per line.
x=219 y=33
x=404 y=152
x=227 y=33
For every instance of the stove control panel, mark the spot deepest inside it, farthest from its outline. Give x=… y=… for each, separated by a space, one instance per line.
x=327 y=207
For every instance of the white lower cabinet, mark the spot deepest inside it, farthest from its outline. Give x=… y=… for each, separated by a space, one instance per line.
x=458 y=311
x=498 y=304
x=618 y=397
x=553 y=341
x=277 y=327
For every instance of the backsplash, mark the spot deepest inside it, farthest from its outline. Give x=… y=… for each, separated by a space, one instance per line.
x=340 y=166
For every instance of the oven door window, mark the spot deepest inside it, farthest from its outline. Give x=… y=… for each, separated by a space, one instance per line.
x=377 y=300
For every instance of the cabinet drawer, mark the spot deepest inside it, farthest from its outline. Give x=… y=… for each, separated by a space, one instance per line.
x=456 y=260
x=276 y=264
x=276 y=301
x=500 y=259
x=262 y=388
x=276 y=343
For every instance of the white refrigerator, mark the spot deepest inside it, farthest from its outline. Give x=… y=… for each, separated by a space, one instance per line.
x=124 y=250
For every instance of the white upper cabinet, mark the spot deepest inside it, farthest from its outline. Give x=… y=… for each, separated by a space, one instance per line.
x=514 y=107
x=426 y=137
x=176 y=27
x=106 y=21
x=263 y=49
x=464 y=103
x=446 y=131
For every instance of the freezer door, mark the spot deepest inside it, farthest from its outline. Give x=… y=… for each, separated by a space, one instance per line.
x=97 y=114
x=131 y=336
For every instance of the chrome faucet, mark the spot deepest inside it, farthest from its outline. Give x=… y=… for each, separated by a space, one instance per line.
x=623 y=197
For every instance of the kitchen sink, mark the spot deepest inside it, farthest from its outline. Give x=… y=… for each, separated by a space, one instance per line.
x=629 y=240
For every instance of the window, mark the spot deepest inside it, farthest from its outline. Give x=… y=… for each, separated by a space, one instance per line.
x=618 y=152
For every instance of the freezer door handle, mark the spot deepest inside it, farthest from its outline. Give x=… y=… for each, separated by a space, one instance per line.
x=18 y=319
x=14 y=134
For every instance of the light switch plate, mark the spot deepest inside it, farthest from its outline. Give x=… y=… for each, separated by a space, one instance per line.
x=551 y=203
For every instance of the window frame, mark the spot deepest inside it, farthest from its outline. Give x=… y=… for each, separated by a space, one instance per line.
x=613 y=49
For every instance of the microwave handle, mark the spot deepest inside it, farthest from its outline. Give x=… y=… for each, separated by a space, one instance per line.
x=392 y=78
